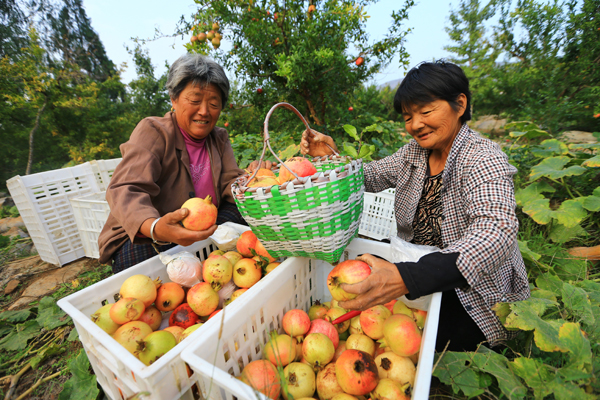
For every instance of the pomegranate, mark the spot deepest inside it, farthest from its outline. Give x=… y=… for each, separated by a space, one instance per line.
x=340 y=349
x=349 y=271
x=271 y=266
x=359 y=61
x=202 y=214
x=346 y=396
x=126 y=310
x=261 y=251
x=402 y=335
x=361 y=342
x=188 y=331
x=355 y=326
x=233 y=257
x=318 y=350
x=280 y=350
x=169 y=296
x=214 y=313
x=317 y=310
x=130 y=333
x=203 y=299
x=390 y=305
x=235 y=295
x=154 y=346
x=217 y=270
x=325 y=327
x=372 y=319
x=401 y=308
x=152 y=316
x=216 y=253
x=299 y=165
x=183 y=316
x=334 y=313
x=177 y=331
x=356 y=372
x=300 y=381
x=261 y=375
x=246 y=243
x=399 y=368
x=102 y=318
x=390 y=389
x=140 y=287
x=296 y=322
x=264 y=182
x=327 y=383
x=246 y=273
x=419 y=317
x=262 y=173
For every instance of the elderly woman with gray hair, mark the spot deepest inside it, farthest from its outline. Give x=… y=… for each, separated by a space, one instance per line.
x=166 y=161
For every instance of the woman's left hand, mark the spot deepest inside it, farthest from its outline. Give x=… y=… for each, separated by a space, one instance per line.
x=383 y=285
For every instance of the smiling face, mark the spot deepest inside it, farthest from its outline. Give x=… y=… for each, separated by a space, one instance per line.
x=197 y=109
x=435 y=125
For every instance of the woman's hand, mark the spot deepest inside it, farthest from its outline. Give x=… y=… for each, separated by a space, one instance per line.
x=168 y=229
x=316 y=144
x=383 y=285
x=265 y=164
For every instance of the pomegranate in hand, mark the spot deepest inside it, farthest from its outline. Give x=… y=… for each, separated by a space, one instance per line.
x=203 y=214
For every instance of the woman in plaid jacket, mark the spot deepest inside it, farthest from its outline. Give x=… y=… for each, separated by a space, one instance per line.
x=454 y=190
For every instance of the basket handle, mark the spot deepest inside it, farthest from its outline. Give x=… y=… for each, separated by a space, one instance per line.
x=267 y=137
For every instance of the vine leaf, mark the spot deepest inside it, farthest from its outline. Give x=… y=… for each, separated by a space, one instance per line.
x=549 y=148
x=539 y=210
x=453 y=370
x=553 y=168
x=592 y=203
x=533 y=192
x=543 y=294
x=549 y=282
x=82 y=385
x=15 y=316
x=561 y=234
x=17 y=339
x=289 y=151
x=536 y=374
x=593 y=162
x=527 y=253
x=570 y=213
x=50 y=316
x=577 y=301
x=579 y=349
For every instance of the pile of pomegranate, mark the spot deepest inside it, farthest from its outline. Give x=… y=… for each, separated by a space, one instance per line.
x=299 y=165
x=134 y=321
x=372 y=355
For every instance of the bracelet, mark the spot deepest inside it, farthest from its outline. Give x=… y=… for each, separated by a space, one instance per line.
x=152 y=234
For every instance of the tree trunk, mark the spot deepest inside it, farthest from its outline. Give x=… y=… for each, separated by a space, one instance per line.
x=31 y=134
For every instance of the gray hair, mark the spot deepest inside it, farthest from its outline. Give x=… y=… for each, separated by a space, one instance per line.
x=200 y=70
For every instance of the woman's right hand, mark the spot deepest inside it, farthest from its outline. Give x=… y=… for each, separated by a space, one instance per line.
x=316 y=144
x=169 y=229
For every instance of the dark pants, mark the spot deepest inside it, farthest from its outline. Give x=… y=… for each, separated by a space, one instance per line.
x=131 y=254
x=456 y=326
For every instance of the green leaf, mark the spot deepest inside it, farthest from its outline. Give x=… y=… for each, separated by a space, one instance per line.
x=44 y=354
x=535 y=374
x=526 y=252
x=549 y=282
x=569 y=268
x=593 y=162
x=82 y=385
x=502 y=311
x=522 y=126
x=350 y=150
x=350 y=130
x=592 y=203
x=584 y=146
x=452 y=370
x=570 y=213
x=50 y=316
x=73 y=335
x=576 y=300
x=5 y=328
x=539 y=210
x=365 y=151
x=553 y=168
x=578 y=347
x=543 y=294
x=561 y=234
x=549 y=148
x=289 y=151
x=533 y=192
x=15 y=316
x=17 y=339
x=498 y=366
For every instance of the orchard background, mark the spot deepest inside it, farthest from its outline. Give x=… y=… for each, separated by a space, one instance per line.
x=534 y=63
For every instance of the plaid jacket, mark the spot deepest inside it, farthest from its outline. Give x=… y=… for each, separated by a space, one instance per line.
x=479 y=219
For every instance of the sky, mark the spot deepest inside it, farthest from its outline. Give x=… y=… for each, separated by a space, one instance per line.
x=136 y=18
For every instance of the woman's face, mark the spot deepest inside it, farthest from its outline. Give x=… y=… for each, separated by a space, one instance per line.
x=435 y=125
x=197 y=109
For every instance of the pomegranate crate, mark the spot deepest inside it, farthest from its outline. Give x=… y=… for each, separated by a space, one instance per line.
x=222 y=351
x=43 y=201
x=121 y=374
x=378 y=219
x=103 y=170
x=90 y=212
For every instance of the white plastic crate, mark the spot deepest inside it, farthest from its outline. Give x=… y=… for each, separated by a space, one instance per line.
x=103 y=170
x=378 y=220
x=91 y=212
x=221 y=352
x=43 y=201
x=120 y=373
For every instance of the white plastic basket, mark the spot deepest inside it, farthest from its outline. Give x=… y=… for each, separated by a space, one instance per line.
x=378 y=219
x=43 y=201
x=221 y=352
x=121 y=374
x=103 y=170
x=91 y=212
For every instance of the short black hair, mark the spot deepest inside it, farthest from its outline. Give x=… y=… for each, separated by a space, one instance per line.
x=430 y=81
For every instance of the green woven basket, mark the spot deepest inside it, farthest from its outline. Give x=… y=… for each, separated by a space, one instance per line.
x=314 y=216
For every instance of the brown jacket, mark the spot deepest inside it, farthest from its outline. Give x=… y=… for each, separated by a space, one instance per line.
x=154 y=179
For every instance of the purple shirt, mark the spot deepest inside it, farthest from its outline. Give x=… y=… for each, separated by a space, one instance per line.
x=200 y=167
